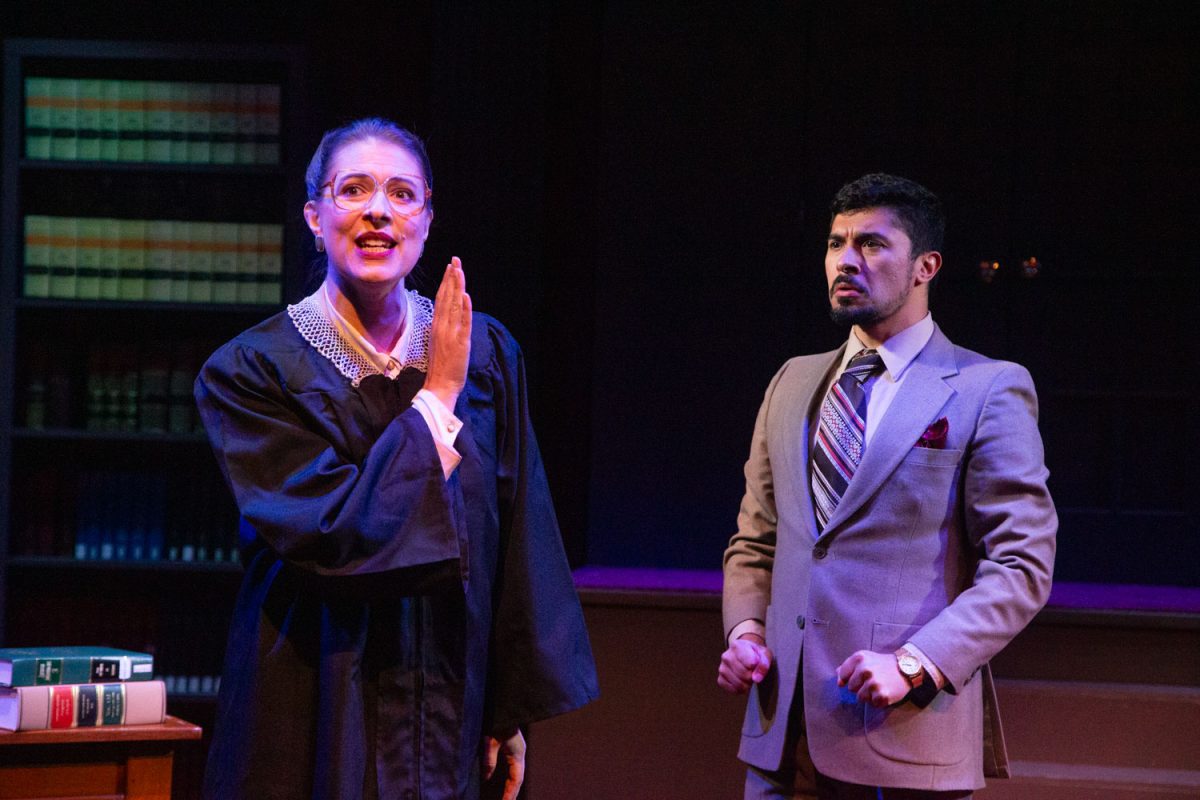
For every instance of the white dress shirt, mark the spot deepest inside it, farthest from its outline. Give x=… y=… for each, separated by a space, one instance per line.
x=897 y=353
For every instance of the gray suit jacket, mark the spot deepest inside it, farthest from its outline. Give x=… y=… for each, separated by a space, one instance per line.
x=951 y=549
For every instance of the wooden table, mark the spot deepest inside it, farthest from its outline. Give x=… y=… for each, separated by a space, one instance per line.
x=105 y=763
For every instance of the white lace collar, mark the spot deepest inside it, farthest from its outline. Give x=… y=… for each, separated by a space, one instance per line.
x=312 y=318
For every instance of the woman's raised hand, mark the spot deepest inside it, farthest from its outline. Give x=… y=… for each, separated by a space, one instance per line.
x=450 y=339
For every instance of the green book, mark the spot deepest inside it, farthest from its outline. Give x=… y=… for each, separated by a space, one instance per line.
x=247 y=263
x=158 y=121
x=90 y=101
x=267 y=126
x=64 y=257
x=40 y=666
x=160 y=242
x=37 y=117
x=64 y=119
x=270 y=263
x=37 y=255
x=131 y=117
x=108 y=120
x=110 y=252
x=181 y=260
x=200 y=263
x=178 y=122
x=246 y=151
x=224 y=268
x=90 y=245
x=224 y=123
x=200 y=120
x=131 y=260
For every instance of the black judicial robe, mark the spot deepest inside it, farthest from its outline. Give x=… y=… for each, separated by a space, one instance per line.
x=388 y=617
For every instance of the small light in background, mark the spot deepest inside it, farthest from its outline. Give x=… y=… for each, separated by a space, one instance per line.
x=988 y=270
x=1030 y=267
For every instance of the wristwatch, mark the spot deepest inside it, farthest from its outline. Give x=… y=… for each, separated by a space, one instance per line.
x=910 y=667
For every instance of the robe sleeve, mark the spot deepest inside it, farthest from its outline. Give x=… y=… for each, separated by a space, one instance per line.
x=541 y=658
x=308 y=499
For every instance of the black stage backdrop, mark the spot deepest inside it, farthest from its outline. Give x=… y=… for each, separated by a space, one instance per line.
x=638 y=190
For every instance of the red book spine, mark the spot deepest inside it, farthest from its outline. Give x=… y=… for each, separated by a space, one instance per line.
x=62 y=707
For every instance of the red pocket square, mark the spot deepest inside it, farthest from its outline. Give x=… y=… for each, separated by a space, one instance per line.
x=935 y=435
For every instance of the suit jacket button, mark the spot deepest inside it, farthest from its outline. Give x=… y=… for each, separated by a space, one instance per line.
x=800 y=622
x=819 y=553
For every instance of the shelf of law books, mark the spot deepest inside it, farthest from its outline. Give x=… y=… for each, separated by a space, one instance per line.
x=84 y=118
x=113 y=463
x=152 y=198
x=148 y=173
x=151 y=260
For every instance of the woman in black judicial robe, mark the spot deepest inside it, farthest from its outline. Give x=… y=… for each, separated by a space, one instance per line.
x=406 y=595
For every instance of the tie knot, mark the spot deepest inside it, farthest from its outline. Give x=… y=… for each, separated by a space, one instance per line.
x=865 y=364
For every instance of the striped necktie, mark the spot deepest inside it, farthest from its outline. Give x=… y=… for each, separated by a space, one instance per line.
x=841 y=435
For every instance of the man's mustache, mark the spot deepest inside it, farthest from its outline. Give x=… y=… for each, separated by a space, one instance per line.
x=847 y=280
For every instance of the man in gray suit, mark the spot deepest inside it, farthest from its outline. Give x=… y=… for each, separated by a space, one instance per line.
x=896 y=533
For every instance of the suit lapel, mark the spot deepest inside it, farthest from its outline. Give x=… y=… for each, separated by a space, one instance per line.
x=810 y=394
x=922 y=395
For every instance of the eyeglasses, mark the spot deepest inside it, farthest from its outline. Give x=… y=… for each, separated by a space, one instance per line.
x=353 y=191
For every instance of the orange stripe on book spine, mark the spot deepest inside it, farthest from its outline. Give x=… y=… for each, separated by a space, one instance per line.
x=154 y=244
x=92 y=103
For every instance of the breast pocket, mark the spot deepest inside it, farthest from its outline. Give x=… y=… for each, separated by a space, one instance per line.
x=929 y=457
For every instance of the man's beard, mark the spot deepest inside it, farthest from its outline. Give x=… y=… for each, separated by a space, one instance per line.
x=870 y=313
x=854 y=315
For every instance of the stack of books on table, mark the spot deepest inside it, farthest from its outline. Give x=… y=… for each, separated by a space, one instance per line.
x=78 y=687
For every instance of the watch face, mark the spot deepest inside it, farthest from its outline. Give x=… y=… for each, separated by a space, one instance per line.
x=908 y=665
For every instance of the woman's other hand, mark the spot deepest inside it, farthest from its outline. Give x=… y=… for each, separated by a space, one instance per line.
x=450 y=337
x=514 y=754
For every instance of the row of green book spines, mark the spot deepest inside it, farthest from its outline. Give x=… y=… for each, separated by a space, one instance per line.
x=117 y=403
x=153 y=243
x=235 y=238
x=113 y=405
x=244 y=107
x=59 y=145
x=112 y=120
x=153 y=286
x=156 y=260
x=135 y=379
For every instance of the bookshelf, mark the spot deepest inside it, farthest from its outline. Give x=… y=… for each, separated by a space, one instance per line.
x=151 y=198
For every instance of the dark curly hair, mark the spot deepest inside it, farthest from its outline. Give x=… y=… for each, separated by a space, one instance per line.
x=918 y=209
